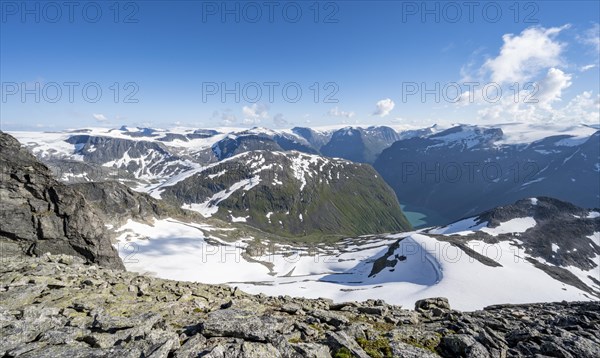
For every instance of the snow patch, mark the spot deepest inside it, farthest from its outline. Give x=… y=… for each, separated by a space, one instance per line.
x=422 y=267
x=462 y=227
x=210 y=206
x=517 y=225
x=534 y=201
x=593 y=215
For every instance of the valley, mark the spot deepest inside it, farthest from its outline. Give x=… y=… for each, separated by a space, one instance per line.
x=299 y=179
x=261 y=210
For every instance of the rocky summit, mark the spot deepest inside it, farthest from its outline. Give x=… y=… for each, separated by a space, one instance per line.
x=40 y=214
x=58 y=306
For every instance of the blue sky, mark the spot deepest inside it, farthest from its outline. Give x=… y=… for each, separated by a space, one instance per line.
x=365 y=57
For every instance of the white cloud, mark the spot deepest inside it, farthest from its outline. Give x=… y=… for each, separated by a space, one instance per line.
x=533 y=56
x=336 y=112
x=591 y=37
x=587 y=67
x=491 y=113
x=585 y=108
x=100 y=117
x=384 y=107
x=466 y=98
x=551 y=87
x=523 y=56
x=255 y=113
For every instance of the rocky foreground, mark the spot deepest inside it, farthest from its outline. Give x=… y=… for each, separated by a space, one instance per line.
x=57 y=306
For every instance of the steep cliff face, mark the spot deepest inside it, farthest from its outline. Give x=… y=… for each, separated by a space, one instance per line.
x=40 y=214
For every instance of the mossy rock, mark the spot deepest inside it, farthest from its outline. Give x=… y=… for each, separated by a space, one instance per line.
x=376 y=348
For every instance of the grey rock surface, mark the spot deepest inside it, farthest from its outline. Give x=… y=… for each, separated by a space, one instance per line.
x=39 y=214
x=59 y=306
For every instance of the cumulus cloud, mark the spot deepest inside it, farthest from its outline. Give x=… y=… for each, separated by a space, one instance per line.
x=384 y=107
x=523 y=56
x=491 y=113
x=551 y=87
x=584 y=107
x=534 y=59
x=336 y=112
x=100 y=117
x=255 y=113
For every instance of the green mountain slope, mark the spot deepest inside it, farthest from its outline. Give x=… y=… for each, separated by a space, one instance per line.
x=293 y=195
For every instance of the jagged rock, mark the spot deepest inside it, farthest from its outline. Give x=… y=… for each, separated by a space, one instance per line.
x=164 y=345
x=109 y=323
x=462 y=345
x=312 y=350
x=41 y=215
x=223 y=348
x=253 y=349
x=116 y=203
x=107 y=318
x=404 y=350
x=379 y=311
x=333 y=318
x=431 y=303
x=291 y=308
x=242 y=324
x=554 y=350
x=341 y=340
x=62 y=335
x=80 y=352
x=192 y=347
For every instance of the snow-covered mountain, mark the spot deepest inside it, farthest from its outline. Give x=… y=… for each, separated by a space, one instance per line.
x=465 y=169
x=149 y=155
x=443 y=172
x=270 y=180
x=538 y=249
x=290 y=193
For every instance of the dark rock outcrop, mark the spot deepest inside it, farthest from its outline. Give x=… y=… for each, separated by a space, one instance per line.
x=40 y=214
x=116 y=203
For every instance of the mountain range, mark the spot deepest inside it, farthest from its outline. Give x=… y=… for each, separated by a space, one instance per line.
x=439 y=173
x=464 y=170
x=276 y=220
